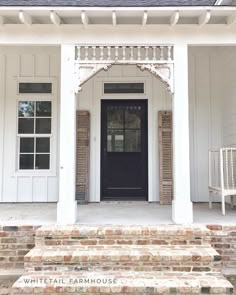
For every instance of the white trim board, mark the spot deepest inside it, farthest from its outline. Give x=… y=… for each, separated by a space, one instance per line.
x=96 y=122
x=126 y=34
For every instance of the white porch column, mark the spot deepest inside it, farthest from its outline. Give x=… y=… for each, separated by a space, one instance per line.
x=67 y=206
x=182 y=209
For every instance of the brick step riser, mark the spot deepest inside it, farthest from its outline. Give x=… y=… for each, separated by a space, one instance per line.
x=134 y=263
x=118 y=240
x=122 y=235
x=161 y=292
x=139 y=267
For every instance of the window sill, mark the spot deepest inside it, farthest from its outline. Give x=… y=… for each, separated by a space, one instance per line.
x=33 y=173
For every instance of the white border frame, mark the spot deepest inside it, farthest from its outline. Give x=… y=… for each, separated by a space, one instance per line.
x=95 y=164
x=34 y=135
x=54 y=124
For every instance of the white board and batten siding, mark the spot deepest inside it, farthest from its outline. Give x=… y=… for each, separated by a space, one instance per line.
x=228 y=94
x=205 y=83
x=212 y=117
x=90 y=100
x=28 y=64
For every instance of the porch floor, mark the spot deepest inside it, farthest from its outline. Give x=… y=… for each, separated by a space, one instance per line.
x=112 y=213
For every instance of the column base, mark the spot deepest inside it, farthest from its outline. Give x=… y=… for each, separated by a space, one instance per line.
x=182 y=212
x=66 y=212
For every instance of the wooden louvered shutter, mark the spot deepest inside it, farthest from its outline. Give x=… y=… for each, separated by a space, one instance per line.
x=82 y=155
x=165 y=157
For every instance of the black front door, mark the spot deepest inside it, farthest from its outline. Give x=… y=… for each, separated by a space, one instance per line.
x=124 y=157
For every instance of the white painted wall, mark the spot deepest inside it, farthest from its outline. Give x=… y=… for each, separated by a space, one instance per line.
x=212 y=117
x=31 y=64
x=211 y=107
x=228 y=95
x=206 y=78
x=90 y=99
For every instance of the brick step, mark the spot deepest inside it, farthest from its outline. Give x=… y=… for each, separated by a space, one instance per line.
x=123 y=235
x=125 y=283
x=124 y=257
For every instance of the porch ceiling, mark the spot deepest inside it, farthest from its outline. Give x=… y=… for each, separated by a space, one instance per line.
x=89 y=16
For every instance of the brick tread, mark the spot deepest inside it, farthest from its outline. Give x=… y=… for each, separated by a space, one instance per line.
x=120 y=230
x=119 y=252
x=129 y=257
x=130 y=283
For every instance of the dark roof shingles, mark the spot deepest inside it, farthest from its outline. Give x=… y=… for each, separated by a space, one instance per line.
x=107 y=3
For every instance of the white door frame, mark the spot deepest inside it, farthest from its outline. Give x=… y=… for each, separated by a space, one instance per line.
x=95 y=167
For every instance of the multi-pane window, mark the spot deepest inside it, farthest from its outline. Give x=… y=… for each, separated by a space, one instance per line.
x=34 y=133
x=124 y=129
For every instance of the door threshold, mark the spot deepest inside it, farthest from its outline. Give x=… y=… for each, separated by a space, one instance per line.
x=123 y=201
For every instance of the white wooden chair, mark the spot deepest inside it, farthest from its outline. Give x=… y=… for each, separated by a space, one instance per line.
x=222 y=175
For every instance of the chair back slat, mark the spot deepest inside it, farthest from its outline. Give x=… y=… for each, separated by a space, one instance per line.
x=222 y=168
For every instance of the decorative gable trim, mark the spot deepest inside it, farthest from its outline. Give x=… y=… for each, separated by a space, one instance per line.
x=158 y=60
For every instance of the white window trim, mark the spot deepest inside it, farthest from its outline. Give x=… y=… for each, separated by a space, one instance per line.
x=52 y=172
x=33 y=135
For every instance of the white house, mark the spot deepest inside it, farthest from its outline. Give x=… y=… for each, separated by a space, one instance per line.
x=123 y=70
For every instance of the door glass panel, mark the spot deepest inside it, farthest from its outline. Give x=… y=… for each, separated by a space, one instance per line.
x=115 y=118
x=132 y=117
x=132 y=140
x=124 y=129
x=115 y=141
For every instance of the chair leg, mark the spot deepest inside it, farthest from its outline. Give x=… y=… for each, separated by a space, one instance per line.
x=210 y=199
x=223 y=204
x=232 y=202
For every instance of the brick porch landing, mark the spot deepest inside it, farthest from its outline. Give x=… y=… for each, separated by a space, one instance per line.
x=111 y=213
